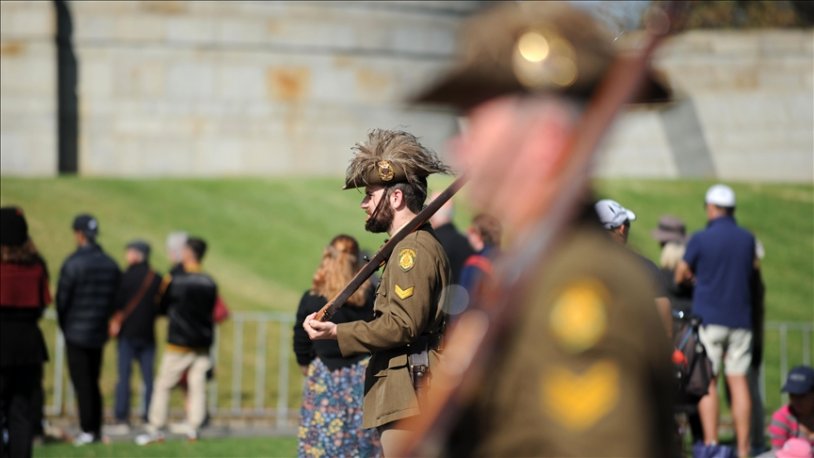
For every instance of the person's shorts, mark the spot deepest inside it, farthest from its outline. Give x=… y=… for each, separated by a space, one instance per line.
x=733 y=346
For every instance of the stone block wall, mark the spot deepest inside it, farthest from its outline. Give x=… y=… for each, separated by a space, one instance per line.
x=744 y=110
x=252 y=88
x=28 y=103
x=195 y=88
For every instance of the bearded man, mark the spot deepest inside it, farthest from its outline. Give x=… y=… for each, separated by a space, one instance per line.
x=409 y=309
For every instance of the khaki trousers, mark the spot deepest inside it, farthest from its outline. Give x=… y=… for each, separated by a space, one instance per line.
x=173 y=366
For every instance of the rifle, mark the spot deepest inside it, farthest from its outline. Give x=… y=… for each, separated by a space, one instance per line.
x=479 y=330
x=326 y=312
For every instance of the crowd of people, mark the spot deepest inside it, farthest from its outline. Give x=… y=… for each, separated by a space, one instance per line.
x=564 y=344
x=584 y=370
x=95 y=302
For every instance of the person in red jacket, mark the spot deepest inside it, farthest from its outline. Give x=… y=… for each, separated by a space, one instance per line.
x=24 y=294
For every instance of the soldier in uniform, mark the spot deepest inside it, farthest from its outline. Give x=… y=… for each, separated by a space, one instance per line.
x=409 y=308
x=584 y=367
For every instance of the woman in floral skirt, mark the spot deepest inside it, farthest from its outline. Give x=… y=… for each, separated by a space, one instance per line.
x=331 y=413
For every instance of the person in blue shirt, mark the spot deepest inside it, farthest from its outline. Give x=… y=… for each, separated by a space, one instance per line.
x=721 y=261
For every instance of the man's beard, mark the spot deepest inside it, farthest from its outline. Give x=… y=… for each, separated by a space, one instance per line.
x=381 y=219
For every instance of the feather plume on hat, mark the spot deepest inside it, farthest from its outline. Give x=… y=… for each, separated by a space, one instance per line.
x=389 y=157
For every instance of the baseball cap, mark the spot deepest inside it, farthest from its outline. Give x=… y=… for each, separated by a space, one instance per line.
x=799 y=381
x=721 y=195
x=87 y=224
x=795 y=447
x=612 y=214
x=13 y=226
x=670 y=229
x=141 y=246
x=531 y=47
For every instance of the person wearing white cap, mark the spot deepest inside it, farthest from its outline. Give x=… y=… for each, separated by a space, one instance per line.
x=721 y=261
x=616 y=219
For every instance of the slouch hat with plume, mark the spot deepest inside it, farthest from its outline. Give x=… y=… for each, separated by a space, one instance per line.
x=388 y=157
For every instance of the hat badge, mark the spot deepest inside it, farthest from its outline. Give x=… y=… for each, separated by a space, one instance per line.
x=544 y=58
x=385 y=169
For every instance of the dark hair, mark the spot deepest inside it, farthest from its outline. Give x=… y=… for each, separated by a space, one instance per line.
x=414 y=193
x=198 y=247
x=489 y=229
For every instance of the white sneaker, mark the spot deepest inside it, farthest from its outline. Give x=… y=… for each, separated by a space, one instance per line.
x=84 y=439
x=185 y=429
x=149 y=438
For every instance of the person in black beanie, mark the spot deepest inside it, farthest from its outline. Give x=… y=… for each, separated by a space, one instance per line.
x=24 y=294
x=133 y=324
x=86 y=292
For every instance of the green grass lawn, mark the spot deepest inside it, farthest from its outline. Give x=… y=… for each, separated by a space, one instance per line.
x=266 y=237
x=235 y=447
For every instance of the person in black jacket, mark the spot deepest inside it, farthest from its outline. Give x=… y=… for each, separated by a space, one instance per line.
x=24 y=295
x=188 y=301
x=134 y=326
x=455 y=244
x=87 y=287
x=333 y=390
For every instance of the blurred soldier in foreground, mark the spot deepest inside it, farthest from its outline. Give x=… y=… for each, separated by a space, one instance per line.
x=580 y=370
x=409 y=311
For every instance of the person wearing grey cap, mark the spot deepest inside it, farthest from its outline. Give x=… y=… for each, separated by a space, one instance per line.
x=721 y=261
x=133 y=325
x=86 y=291
x=576 y=369
x=616 y=219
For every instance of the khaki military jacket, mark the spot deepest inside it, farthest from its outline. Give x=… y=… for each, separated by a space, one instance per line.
x=410 y=302
x=585 y=367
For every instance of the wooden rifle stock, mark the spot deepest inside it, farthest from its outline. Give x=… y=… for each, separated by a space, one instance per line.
x=471 y=344
x=326 y=312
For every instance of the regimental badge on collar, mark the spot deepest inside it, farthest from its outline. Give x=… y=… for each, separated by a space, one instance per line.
x=385 y=169
x=406 y=259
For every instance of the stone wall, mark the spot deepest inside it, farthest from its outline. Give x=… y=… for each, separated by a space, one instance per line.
x=179 y=88
x=744 y=110
x=258 y=88
x=28 y=88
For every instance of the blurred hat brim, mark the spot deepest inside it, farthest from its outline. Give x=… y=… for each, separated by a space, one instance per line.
x=667 y=236
x=464 y=88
